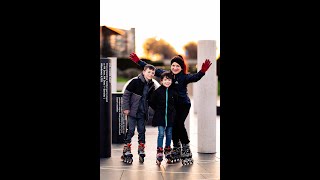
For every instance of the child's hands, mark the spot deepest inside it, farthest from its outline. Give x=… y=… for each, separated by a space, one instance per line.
x=205 y=66
x=134 y=57
x=126 y=112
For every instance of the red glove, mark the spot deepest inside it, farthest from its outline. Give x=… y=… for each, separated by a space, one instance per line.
x=205 y=66
x=134 y=57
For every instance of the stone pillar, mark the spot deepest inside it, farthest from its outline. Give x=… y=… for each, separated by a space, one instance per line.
x=207 y=95
x=113 y=74
x=195 y=95
x=105 y=109
x=187 y=124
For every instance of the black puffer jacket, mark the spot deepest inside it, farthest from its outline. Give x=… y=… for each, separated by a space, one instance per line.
x=164 y=108
x=133 y=93
x=179 y=82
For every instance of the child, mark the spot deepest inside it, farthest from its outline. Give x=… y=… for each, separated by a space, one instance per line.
x=163 y=102
x=135 y=106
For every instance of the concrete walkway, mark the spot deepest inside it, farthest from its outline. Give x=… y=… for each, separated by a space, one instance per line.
x=206 y=166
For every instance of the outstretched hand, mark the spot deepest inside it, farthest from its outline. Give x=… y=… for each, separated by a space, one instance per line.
x=205 y=66
x=134 y=57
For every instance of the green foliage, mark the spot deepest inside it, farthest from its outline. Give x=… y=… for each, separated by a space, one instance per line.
x=122 y=79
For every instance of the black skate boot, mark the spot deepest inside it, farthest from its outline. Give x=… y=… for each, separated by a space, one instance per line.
x=127 y=156
x=186 y=155
x=176 y=153
x=168 y=155
x=159 y=155
x=141 y=152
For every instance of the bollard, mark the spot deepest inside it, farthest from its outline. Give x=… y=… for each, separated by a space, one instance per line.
x=105 y=108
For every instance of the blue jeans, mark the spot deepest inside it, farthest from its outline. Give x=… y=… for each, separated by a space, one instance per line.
x=131 y=128
x=161 y=130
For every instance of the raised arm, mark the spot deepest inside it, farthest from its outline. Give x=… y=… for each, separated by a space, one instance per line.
x=136 y=59
x=197 y=76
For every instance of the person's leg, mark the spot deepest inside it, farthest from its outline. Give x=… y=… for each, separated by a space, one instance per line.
x=141 y=130
x=131 y=127
x=175 y=129
x=159 y=155
x=160 y=136
x=183 y=135
x=127 y=156
x=176 y=151
x=167 y=149
x=168 y=136
x=186 y=154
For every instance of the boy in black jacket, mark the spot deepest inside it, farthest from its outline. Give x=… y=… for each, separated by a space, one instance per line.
x=163 y=102
x=135 y=106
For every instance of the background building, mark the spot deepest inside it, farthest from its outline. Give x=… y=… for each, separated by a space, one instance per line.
x=117 y=42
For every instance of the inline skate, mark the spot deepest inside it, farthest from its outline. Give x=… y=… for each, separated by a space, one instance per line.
x=159 y=155
x=141 y=152
x=186 y=155
x=176 y=153
x=127 y=155
x=168 y=155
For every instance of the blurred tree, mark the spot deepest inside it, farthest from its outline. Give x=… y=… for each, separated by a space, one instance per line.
x=191 y=50
x=105 y=47
x=154 y=47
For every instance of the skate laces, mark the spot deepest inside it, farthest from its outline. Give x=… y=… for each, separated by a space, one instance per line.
x=160 y=150
x=127 y=147
x=168 y=148
x=141 y=145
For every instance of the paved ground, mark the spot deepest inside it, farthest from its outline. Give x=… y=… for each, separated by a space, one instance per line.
x=206 y=166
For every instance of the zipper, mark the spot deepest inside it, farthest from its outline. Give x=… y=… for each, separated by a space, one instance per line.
x=166 y=106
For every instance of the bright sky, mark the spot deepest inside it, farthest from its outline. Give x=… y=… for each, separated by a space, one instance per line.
x=176 y=21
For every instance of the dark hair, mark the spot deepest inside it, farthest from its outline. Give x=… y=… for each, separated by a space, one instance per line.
x=149 y=66
x=166 y=74
x=179 y=59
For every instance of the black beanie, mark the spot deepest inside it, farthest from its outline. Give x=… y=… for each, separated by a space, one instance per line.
x=178 y=60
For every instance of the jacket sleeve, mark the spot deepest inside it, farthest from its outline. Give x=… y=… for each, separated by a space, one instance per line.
x=153 y=100
x=194 y=77
x=158 y=72
x=127 y=96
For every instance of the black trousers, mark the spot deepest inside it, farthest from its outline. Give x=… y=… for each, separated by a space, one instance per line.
x=179 y=132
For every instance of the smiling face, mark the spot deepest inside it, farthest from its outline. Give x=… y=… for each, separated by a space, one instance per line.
x=166 y=82
x=175 y=68
x=148 y=73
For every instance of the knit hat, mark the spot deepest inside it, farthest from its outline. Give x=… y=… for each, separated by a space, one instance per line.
x=178 y=59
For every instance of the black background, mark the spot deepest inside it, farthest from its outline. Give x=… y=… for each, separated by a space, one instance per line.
x=50 y=90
